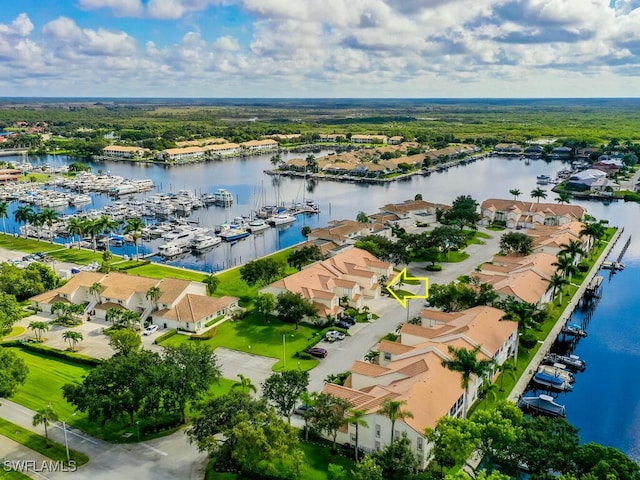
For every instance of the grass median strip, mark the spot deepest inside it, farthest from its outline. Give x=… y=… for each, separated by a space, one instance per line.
x=38 y=443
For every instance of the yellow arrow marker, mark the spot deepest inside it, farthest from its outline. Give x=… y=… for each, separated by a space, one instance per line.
x=402 y=276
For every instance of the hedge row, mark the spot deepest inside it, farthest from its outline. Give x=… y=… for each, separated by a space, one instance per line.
x=204 y=336
x=165 y=336
x=54 y=352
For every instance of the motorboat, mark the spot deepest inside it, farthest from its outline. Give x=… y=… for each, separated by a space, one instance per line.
x=257 y=225
x=574 y=330
x=222 y=197
x=558 y=370
x=230 y=232
x=571 y=361
x=281 y=219
x=551 y=382
x=612 y=265
x=542 y=404
x=543 y=179
x=203 y=241
x=170 y=249
x=79 y=199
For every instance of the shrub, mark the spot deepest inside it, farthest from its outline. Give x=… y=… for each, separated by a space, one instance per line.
x=392 y=337
x=433 y=268
x=165 y=336
x=205 y=335
x=55 y=353
x=304 y=356
x=211 y=322
x=528 y=340
x=583 y=267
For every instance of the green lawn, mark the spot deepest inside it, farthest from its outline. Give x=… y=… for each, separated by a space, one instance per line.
x=318 y=456
x=12 y=475
x=39 y=443
x=455 y=257
x=26 y=245
x=153 y=270
x=253 y=335
x=75 y=255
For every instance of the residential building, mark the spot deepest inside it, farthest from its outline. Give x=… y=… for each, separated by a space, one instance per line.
x=10 y=175
x=222 y=149
x=551 y=240
x=352 y=274
x=181 y=304
x=508 y=149
x=181 y=154
x=122 y=151
x=344 y=232
x=583 y=180
x=411 y=370
x=260 y=146
x=517 y=214
x=369 y=139
x=395 y=140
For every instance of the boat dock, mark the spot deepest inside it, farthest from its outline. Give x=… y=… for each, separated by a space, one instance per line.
x=589 y=282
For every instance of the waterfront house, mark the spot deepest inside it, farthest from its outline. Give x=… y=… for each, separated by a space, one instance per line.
x=180 y=154
x=562 y=152
x=369 y=139
x=260 y=146
x=411 y=212
x=525 y=278
x=517 y=214
x=222 y=149
x=551 y=239
x=10 y=175
x=180 y=304
x=123 y=152
x=330 y=137
x=201 y=142
x=353 y=273
x=583 y=180
x=396 y=140
x=508 y=149
x=533 y=151
x=410 y=369
x=344 y=232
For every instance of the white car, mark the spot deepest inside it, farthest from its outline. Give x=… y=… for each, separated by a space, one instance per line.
x=150 y=329
x=334 y=335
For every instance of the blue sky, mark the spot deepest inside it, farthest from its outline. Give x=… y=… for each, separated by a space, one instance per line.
x=320 y=48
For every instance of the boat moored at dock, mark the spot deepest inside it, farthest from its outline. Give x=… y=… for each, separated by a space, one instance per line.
x=571 y=361
x=542 y=404
x=551 y=382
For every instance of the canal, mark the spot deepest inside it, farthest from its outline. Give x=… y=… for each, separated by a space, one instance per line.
x=605 y=402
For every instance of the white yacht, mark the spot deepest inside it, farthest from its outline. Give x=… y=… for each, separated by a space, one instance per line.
x=202 y=241
x=257 y=225
x=79 y=199
x=281 y=219
x=223 y=197
x=170 y=249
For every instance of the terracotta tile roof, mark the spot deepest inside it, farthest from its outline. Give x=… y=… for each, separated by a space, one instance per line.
x=395 y=348
x=194 y=308
x=49 y=297
x=122 y=286
x=368 y=369
x=501 y=205
x=409 y=206
x=81 y=279
x=171 y=289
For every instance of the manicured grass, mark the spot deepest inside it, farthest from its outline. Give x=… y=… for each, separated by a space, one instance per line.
x=154 y=270
x=12 y=475
x=75 y=255
x=15 y=331
x=26 y=245
x=495 y=228
x=483 y=235
x=39 y=443
x=253 y=335
x=455 y=257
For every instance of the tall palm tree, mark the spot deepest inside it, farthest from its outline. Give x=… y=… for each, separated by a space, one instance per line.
x=75 y=226
x=91 y=227
x=23 y=214
x=557 y=282
x=507 y=368
x=72 y=337
x=593 y=230
x=3 y=214
x=106 y=225
x=94 y=289
x=49 y=217
x=134 y=226
x=356 y=417
x=538 y=193
x=392 y=409
x=245 y=383
x=572 y=249
x=212 y=282
x=467 y=364
x=37 y=220
x=565 y=265
x=518 y=311
x=45 y=416
x=563 y=197
x=308 y=399
x=516 y=193
x=153 y=294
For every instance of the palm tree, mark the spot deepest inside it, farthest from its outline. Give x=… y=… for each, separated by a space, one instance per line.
x=516 y=193
x=308 y=399
x=23 y=214
x=45 y=416
x=49 y=217
x=356 y=417
x=75 y=226
x=467 y=364
x=106 y=225
x=212 y=282
x=538 y=193
x=557 y=282
x=95 y=289
x=276 y=159
x=593 y=230
x=362 y=217
x=565 y=265
x=72 y=337
x=306 y=231
x=488 y=389
x=371 y=356
x=392 y=409
x=113 y=315
x=38 y=329
x=134 y=226
x=37 y=220
x=563 y=197
x=245 y=384
x=3 y=214
x=312 y=163
x=572 y=249
x=92 y=228
x=518 y=311
x=507 y=368
x=153 y=294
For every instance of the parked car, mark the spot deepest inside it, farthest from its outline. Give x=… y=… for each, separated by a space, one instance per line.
x=301 y=409
x=349 y=319
x=317 y=352
x=335 y=335
x=150 y=329
x=343 y=324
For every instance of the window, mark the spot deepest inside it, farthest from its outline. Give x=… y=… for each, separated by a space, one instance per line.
x=387 y=356
x=377 y=444
x=377 y=430
x=420 y=443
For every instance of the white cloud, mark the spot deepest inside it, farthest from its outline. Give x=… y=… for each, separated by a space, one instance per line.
x=124 y=8
x=71 y=40
x=226 y=43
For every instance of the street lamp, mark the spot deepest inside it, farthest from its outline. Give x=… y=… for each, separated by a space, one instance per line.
x=66 y=441
x=284 y=349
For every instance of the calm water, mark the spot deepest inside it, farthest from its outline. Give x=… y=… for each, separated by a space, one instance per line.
x=605 y=402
